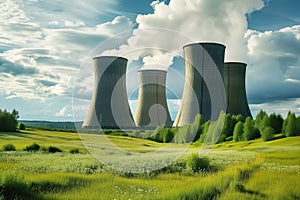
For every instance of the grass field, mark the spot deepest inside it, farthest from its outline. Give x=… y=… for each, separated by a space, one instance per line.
x=242 y=170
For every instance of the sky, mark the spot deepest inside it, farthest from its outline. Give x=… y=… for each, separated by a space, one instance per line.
x=46 y=49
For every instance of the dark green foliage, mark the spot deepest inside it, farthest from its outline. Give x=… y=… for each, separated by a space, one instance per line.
x=195 y=163
x=184 y=135
x=14 y=187
x=259 y=118
x=291 y=127
x=285 y=123
x=267 y=134
x=249 y=131
x=215 y=130
x=265 y=122
x=197 y=126
x=228 y=126
x=22 y=126
x=74 y=151
x=238 y=132
x=116 y=133
x=205 y=128
x=162 y=134
x=33 y=147
x=52 y=149
x=298 y=125
x=276 y=122
x=9 y=147
x=8 y=121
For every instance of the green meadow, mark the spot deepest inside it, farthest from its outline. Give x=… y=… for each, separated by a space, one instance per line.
x=238 y=170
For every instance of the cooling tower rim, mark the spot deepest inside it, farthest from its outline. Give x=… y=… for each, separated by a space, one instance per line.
x=205 y=43
x=237 y=63
x=111 y=57
x=153 y=70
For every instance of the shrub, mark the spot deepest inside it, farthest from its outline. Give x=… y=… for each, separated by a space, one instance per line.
x=9 y=147
x=267 y=134
x=74 y=151
x=195 y=163
x=22 y=126
x=52 y=149
x=33 y=147
x=238 y=132
x=249 y=131
x=14 y=187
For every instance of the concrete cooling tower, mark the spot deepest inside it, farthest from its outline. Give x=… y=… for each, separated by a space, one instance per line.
x=152 y=109
x=234 y=79
x=204 y=90
x=109 y=107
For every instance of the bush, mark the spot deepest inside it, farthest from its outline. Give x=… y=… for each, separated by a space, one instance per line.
x=8 y=120
x=9 y=147
x=238 y=132
x=33 y=147
x=14 y=187
x=74 y=151
x=22 y=126
x=52 y=149
x=195 y=163
x=267 y=134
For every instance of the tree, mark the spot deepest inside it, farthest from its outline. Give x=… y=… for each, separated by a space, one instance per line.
x=290 y=129
x=229 y=124
x=22 y=126
x=197 y=127
x=238 y=132
x=265 y=122
x=259 y=118
x=205 y=128
x=8 y=121
x=248 y=129
x=267 y=134
x=298 y=125
x=276 y=122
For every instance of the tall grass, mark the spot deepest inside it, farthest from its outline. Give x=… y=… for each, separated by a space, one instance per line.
x=242 y=170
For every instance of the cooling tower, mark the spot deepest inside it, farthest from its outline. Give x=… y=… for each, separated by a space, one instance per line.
x=152 y=109
x=204 y=90
x=234 y=78
x=109 y=107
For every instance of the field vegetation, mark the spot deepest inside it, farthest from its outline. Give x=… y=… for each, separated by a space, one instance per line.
x=232 y=170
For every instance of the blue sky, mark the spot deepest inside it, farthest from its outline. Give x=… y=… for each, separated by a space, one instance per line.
x=45 y=47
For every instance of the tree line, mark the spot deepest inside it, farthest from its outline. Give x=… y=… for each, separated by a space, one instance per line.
x=229 y=128
x=8 y=120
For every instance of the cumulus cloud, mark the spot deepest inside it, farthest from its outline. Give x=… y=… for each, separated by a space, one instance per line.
x=64 y=112
x=189 y=21
x=274 y=64
x=39 y=59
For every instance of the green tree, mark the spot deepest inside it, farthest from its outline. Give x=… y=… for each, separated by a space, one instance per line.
x=8 y=121
x=267 y=134
x=290 y=129
x=285 y=123
x=276 y=122
x=197 y=127
x=259 y=118
x=248 y=130
x=238 y=132
x=298 y=125
x=22 y=126
x=229 y=124
x=265 y=122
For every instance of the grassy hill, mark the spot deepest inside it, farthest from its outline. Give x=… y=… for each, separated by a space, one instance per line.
x=241 y=170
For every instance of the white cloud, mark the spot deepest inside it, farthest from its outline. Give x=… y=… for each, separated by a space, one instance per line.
x=74 y=24
x=53 y=58
x=274 y=64
x=64 y=112
x=202 y=20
